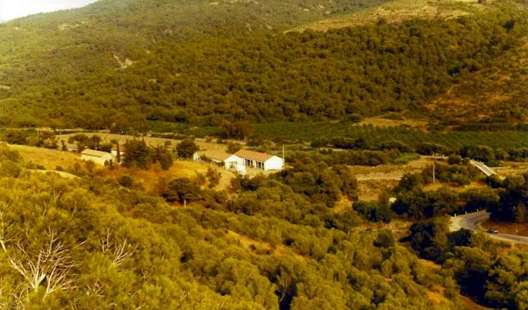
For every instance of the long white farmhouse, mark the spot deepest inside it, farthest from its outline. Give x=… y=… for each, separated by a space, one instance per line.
x=260 y=160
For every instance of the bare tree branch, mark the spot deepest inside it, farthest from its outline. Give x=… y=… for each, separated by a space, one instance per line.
x=50 y=268
x=119 y=251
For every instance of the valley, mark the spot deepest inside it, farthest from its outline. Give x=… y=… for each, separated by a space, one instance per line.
x=279 y=154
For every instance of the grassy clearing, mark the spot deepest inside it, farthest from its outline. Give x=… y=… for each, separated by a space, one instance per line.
x=150 y=179
x=512 y=168
x=373 y=181
x=452 y=188
x=49 y=159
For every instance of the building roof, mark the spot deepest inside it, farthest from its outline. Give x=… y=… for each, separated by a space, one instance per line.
x=217 y=155
x=252 y=155
x=94 y=153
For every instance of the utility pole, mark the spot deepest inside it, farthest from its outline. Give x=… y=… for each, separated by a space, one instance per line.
x=434 y=168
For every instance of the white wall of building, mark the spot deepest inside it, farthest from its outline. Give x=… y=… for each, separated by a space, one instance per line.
x=234 y=162
x=98 y=160
x=274 y=163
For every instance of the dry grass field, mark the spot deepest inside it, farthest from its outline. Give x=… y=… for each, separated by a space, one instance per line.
x=512 y=168
x=150 y=179
x=373 y=181
x=50 y=159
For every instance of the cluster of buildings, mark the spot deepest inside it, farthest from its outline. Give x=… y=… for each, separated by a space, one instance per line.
x=242 y=160
x=239 y=161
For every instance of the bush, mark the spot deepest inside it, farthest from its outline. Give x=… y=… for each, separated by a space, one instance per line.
x=385 y=239
x=126 y=181
x=373 y=212
x=16 y=136
x=213 y=177
x=186 y=148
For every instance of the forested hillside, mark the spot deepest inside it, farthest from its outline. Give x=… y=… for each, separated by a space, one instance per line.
x=119 y=63
x=90 y=243
x=379 y=109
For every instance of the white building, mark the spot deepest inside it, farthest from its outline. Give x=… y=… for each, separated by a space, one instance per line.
x=98 y=157
x=222 y=158
x=260 y=160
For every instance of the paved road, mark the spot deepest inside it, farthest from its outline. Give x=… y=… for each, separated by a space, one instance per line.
x=472 y=222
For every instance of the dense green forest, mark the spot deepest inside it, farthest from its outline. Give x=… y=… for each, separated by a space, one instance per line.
x=97 y=74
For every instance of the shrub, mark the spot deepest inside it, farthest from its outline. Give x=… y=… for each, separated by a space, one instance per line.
x=186 y=148
x=126 y=181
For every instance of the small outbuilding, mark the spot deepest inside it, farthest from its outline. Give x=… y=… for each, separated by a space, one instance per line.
x=260 y=160
x=98 y=157
x=221 y=158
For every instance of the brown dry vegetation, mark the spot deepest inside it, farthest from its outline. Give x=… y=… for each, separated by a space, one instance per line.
x=150 y=178
x=495 y=90
x=397 y=12
x=436 y=186
x=373 y=181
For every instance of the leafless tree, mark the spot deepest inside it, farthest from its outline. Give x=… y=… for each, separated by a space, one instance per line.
x=50 y=268
x=118 y=250
x=4 y=237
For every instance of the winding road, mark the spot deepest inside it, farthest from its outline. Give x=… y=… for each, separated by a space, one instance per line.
x=472 y=221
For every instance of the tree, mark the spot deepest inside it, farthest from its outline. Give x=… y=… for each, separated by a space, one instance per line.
x=213 y=177
x=186 y=148
x=162 y=155
x=429 y=238
x=182 y=190
x=138 y=154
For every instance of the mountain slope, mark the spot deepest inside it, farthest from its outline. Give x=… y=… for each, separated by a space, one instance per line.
x=495 y=97
x=117 y=63
x=397 y=11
